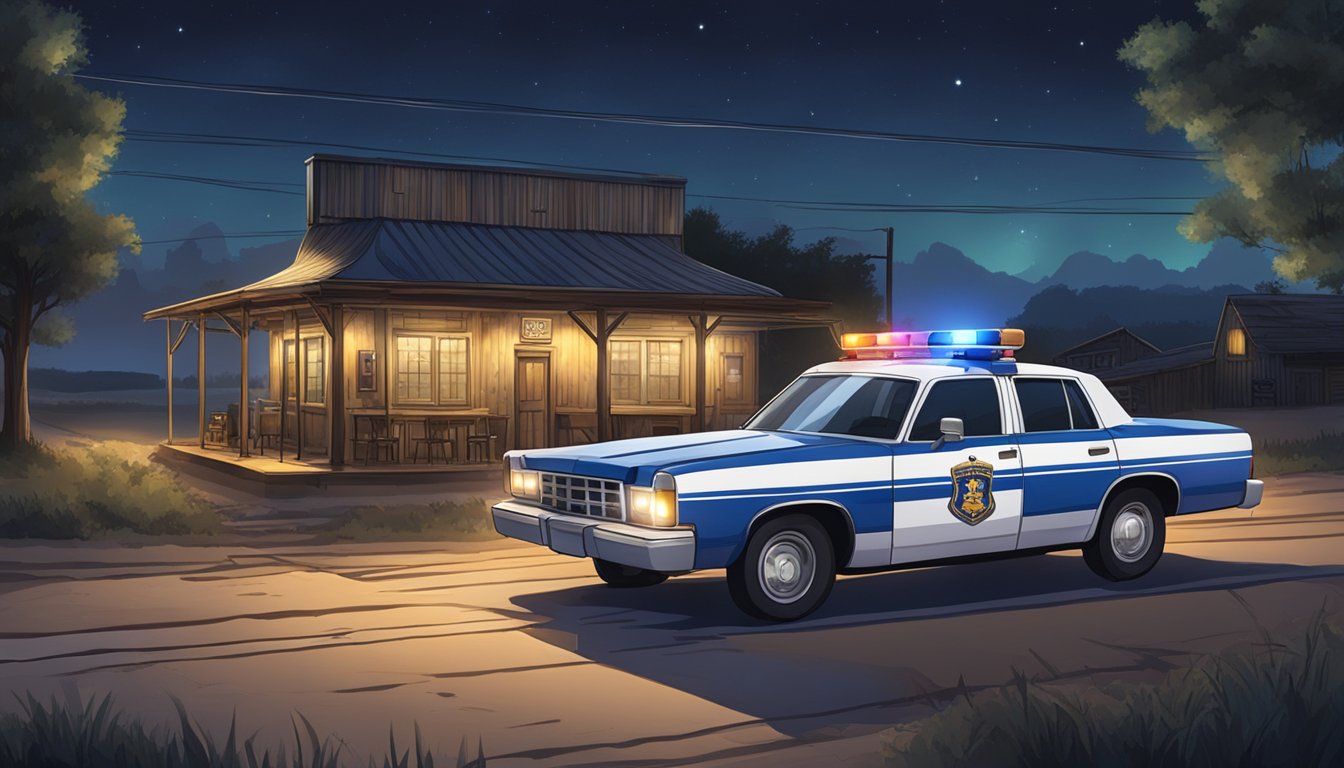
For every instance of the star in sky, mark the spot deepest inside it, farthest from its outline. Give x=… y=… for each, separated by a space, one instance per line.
x=957 y=82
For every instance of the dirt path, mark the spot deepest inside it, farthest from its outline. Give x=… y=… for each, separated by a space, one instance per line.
x=523 y=647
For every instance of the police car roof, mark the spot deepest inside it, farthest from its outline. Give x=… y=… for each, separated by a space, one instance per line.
x=935 y=368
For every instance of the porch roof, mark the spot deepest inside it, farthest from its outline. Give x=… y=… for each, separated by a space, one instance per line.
x=493 y=265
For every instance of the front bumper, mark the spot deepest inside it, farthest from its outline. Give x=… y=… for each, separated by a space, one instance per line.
x=669 y=550
x=1255 y=489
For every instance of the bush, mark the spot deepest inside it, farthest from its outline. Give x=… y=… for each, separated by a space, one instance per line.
x=93 y=735
x=1272 y=706
x=85 y=493
x=1323 y=453
x=468 y=520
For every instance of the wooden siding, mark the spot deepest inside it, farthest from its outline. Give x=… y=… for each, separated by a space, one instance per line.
x=345 y=189
x=1158 y=394
x=1119 y=347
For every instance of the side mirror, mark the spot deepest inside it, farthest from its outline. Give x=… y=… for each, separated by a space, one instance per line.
x=953 y=429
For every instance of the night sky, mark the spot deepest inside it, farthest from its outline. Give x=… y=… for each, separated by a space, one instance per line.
x=1023 y=71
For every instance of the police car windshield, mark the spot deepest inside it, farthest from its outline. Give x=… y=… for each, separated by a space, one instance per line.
x=863 y=406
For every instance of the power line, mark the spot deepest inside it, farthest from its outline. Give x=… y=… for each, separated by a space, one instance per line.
x=872 y=207
x=247 y=186
x=227 y=236
x=666 y=121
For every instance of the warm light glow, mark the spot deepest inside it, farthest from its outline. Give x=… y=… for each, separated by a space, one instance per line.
x=524 y=484
x=1236 y=342
x=858 y=340
x=656 y=506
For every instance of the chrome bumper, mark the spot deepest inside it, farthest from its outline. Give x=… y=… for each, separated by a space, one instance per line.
x=1255 y=489
x=669 y=550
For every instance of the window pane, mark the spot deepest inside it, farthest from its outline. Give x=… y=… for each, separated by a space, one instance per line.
x=734 y=375
x=624 y=371
x=1044 y=408
x=847 y=405
x=974 y=401
x=453 y=366
x=664 y=371
x=414 y=370
x=1236 y=342
x=290 y=390
x=1083 y=417
x=314 y=380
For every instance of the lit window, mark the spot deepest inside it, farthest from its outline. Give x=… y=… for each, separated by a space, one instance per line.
x=664 y=371
x=314 y=372
x=290 y=390
x=1236 y=342
x=625 y=372
x=734 y=390
x=647 y=372
x=453 y=365
x=415 y=379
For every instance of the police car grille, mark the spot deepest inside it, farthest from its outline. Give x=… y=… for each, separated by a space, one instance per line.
x=582 y=495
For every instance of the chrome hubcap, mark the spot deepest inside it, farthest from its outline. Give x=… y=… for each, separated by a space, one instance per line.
x=787 y=566
x=1132 y=532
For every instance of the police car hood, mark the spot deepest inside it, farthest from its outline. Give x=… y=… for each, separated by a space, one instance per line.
x=635 y=461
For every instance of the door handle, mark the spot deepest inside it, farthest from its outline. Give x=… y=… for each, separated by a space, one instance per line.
x=1098 y=450
x=1011 y=453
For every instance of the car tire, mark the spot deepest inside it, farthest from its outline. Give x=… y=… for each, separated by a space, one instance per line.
x=786 y=571
x=1130 y=536
x=626 y=576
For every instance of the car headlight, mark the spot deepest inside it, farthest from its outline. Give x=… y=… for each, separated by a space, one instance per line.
x=521 y=483
x=656 y=505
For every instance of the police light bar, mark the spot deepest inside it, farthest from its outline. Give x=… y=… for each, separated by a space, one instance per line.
x=973 y=344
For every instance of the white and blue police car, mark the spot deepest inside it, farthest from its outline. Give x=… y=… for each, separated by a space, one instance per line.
x=916 y=448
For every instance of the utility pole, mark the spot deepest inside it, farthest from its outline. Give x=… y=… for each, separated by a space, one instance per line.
x=887 y=292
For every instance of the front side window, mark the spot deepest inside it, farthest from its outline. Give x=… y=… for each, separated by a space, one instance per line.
x=863 y=406
x=974 y=401
x=314 y=372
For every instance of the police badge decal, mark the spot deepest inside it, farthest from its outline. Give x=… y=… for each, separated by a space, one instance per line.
x=972 y=494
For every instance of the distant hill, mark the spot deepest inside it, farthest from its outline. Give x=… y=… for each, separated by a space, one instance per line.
x=56 y=380
x=943 y=288
x=1059 y=317
x=1227 y=262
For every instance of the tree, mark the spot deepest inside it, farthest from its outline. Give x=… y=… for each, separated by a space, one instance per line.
x=803 y=272
x=1260 y=85
x=59 y=139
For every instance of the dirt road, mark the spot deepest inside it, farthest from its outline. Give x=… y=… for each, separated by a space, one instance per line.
x=525 y=649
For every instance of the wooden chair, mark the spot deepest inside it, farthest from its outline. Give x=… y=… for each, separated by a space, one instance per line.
x=268 y=429
x=437 y=433
x=377 y=434
x=483 y=444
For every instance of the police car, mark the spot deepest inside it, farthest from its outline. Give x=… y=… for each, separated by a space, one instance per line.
x=915 y=448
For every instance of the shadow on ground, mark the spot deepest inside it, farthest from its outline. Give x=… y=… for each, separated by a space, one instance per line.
x=843 y=665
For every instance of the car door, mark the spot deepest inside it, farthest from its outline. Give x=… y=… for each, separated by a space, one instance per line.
x=956 y=498
x=1068 y=461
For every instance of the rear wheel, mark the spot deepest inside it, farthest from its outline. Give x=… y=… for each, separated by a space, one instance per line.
x=787 y=570
x=624 y=576
x=1130 y=536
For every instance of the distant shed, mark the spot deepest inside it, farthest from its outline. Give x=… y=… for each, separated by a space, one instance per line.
x=1179 y=379
x=1280 y=350
x=1110 y=350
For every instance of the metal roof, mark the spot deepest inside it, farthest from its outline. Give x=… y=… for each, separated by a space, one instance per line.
x=1180 y=357
x=1292 y=323
x=378 y=250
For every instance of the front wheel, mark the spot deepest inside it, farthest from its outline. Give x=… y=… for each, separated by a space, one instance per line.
x=787 y=570
x=625 y=576
x=1130 y=536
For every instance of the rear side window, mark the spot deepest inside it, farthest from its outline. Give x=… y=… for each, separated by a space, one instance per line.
x=1045 y=407
x=974 y=401
x=1083 y=417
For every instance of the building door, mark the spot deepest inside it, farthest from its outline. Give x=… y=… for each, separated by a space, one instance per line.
x=532 y=401
x=1308 y=386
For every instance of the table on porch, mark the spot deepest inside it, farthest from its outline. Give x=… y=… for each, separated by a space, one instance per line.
x=462 y=422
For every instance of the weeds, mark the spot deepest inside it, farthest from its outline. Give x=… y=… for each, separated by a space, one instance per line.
x=86 y=493
x=93 y=735
x=468 y=520
x=1274 y=705
x=1322 y=453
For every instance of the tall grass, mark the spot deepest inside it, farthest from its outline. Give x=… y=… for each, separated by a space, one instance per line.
x=1322 y=453
x=93 y=734
x=93 y=492
x=1273 y=705
x=468 y=520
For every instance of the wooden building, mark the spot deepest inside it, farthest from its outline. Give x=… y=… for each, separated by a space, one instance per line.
x=522 y=307
x=1280 y=350
x=1110 y=350
x=1179 y=379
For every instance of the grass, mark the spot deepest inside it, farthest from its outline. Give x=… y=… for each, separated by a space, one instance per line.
x=1322 y=453
x=95 y=492
x=1273 y=705
x=468 y=520
x=93 y=734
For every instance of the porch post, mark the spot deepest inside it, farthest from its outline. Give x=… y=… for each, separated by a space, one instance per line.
x=284 y=382
x=336 y=401
x=603 y=380
x=244 y=407
x=169 y=338
x=200 y=376
x=298 y=390
x=701 y=334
